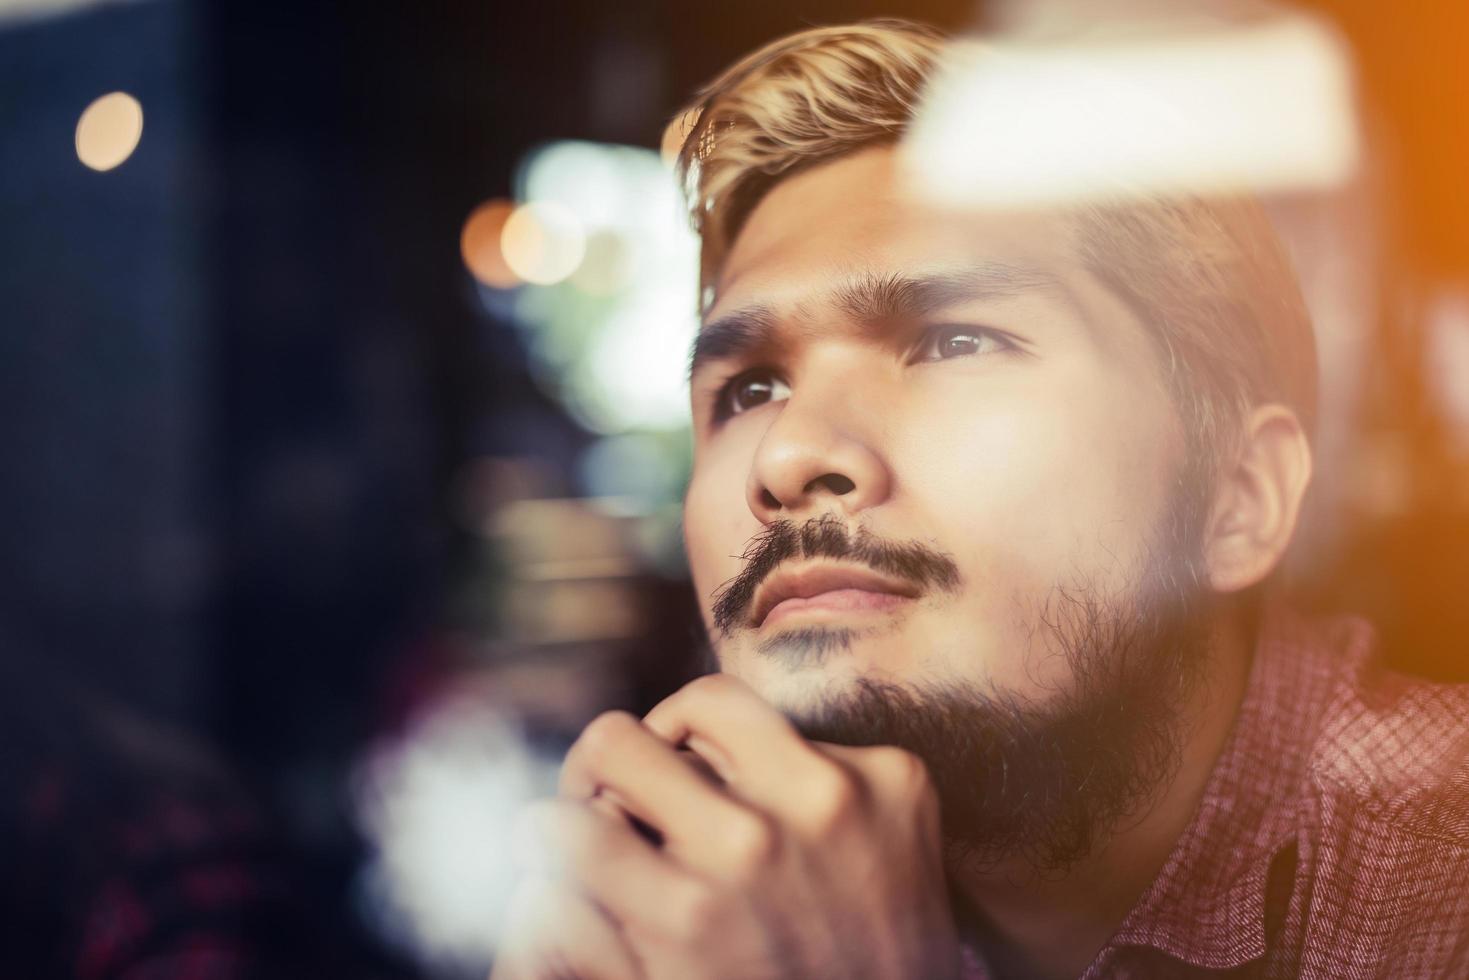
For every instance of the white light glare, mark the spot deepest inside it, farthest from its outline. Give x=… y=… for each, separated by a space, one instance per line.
x=1264 y=107
x=638 y=364
x=614 y=337
x=440 y=806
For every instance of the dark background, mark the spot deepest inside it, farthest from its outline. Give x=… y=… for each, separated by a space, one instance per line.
x=240 y=374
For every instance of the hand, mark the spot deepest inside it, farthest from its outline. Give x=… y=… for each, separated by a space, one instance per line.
x=801 y=860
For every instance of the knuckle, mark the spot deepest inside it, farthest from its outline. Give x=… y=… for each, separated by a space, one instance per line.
x=901 y=770
x=832 y=798
x=751 y=842
x=603 y=735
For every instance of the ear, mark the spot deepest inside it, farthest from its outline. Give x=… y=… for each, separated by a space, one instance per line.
x=1258 y=500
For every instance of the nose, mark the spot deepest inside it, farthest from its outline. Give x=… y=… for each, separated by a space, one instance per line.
x=818 y=455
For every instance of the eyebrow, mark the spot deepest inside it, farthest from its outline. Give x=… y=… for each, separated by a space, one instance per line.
x=870 y=300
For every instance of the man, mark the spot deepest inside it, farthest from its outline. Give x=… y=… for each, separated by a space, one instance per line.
x=982 y=518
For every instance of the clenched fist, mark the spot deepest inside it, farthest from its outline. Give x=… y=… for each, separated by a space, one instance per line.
x=789 y=860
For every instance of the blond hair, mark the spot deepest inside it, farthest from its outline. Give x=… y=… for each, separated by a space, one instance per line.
x=797 y=102
x=1208 y=278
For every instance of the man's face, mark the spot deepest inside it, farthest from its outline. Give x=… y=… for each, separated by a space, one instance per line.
x=955 y=390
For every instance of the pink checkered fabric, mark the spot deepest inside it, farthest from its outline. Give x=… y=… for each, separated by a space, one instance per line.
x=1333 y=837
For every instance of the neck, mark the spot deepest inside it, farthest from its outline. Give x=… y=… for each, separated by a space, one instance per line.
x=1029 y=923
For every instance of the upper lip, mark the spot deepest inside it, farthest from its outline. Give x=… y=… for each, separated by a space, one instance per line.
x=811 y=580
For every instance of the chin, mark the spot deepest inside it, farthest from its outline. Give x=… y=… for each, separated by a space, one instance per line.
x=798 y=696
x=796 y=670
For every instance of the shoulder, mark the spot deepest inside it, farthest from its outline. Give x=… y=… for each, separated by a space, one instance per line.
x=1388 y=827
x=1393 y=748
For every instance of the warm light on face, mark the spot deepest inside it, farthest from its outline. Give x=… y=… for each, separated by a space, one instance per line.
x=543 y=243
x=109 y=130
x=1041 y=452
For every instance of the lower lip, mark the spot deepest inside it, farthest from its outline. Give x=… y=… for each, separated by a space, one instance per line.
x=844 y=601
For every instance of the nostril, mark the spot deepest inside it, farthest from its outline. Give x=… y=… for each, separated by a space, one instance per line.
x=768 y=499
x=834 y=482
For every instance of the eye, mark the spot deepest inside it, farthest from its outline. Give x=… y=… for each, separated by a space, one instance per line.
x=750 y=390
x=944 y=343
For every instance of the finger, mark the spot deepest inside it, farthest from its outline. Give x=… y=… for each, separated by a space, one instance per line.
x=752 y=746
x=649 y=779
x=856 y=756
x=608 y=861
x=554 y=932
x=887 y=772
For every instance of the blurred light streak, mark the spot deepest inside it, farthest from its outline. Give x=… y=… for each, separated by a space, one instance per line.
x=543 y=242
x=567 y=531
x=440 y=806
x=1265 y=105
x=483 y=486
x=573 y=610
x=109 y=130
x=572 y=568
x=1447 y=366
x=479 y=245
x=12 y=11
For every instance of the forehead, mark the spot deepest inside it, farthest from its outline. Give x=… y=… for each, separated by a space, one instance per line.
x=853 y=215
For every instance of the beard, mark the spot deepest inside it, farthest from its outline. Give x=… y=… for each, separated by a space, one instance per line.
x=1039 y=780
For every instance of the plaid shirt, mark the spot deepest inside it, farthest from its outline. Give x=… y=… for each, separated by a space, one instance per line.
x=118 y=873
x=1333 y=836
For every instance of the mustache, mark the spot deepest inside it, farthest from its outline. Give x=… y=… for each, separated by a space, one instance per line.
x=827 y=537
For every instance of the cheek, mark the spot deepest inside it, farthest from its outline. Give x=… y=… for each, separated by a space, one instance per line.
x=1045 y=481
x=717 y=524
x=1031 y=490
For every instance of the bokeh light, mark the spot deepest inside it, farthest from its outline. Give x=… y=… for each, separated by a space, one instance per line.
x=479 y=244
x=635 y=468
x=610 y=339
x=438 y=805
x=588 y=179
x=637 y=366
x=109 y=130
x=608 y=265
x=543 y=242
